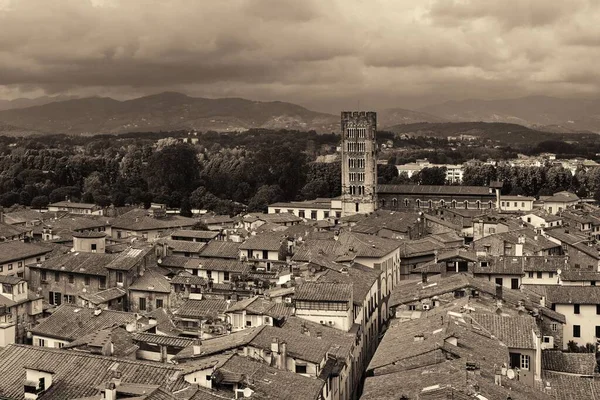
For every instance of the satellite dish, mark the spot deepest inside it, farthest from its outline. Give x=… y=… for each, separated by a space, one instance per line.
x=510 y=374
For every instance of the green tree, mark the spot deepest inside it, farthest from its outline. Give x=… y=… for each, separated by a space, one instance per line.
x=39 y=202
x=265 y=195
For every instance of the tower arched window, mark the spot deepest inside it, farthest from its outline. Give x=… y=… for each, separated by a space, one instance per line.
x=466 y=204
x=406 y=202
x=478 y=203
x=395 y=202
x=490 y=204
x=453 y=203
x=418 y=203
x=382 y=202
x=430 y=204
x=442 y=203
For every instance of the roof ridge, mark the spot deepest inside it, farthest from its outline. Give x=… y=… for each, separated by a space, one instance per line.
x=89 y=355
x=103 y=310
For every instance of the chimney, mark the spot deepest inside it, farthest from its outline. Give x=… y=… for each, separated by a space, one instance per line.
x=97 y=311
x=37 y=382
x=424 y=277
x=110 y=391
x=499 y=292
x=283 y=357
x=275 y=346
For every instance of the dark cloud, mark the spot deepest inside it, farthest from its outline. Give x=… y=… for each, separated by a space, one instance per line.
x=321 y=54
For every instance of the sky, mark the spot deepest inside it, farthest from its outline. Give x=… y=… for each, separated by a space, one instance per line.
x=323 y=54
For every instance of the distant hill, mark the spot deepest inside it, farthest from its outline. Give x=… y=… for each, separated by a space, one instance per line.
x=564 y=115
x=495 y=131
x=23 y=102
x=395 y=116
x=166 y=111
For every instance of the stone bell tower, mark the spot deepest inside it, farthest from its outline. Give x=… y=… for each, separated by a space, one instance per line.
x=359 y=162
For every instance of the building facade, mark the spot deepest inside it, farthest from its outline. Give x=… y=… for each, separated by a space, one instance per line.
x=359 y=162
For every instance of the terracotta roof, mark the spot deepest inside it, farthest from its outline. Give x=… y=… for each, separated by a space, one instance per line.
x=88 y=234
x=72 y=204
x=128 y=259
x=457 y=253
x=220 y=344
x=359 y=276
x=217 y=264
x=151 y=281
x=221 y=249
x=573 y=294
x=16 y=250
x=10 y=279
x=308 y=204
x=163 y=340
x=447 y=190
x=315 y=291
x=77 y=374
x=271 y=383
x=185 y=278
x=560 y=197
x=119 y=337
x=382 y=219
x=265 y=241
x=103 y=296
x=515 y=332
x=578 y=275
x=571 y=363
x=277 y=218
x=137 y=220
x=217 y=219
x=69 y=322
x=260 y=306
x=201 y=308
x=190 y=233
x=80 y=263
x=8 y=231
x=182 y=246
x=571 y=387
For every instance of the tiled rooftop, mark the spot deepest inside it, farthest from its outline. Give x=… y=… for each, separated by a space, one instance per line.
x=314 y=291
x=570 y=363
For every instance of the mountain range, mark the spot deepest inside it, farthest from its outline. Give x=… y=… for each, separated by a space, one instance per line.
x=175 y=111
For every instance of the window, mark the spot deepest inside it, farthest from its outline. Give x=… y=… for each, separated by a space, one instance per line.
x=41 y=342
x=300 y=369
x=20 y=264
x=301 y=213
x=159 y=303
x=524 y=362
x=69 y=298
x=142 y=304
x=597 y=309
x=277 y=211
x=248 y=323
x=325 y=214
x=576 y=308
x=531 y=274
x=225 y=275
x=56 y=276
x=412 y=307
x=93 y=247
x=313 y=214
x=593 y=283
x=71 y=278
x=119 y=277
x=9 y=267
x=43 y=276
x=86 y=281
x=554 y=326
x=539 y=275
x=102 y=282
x=550 y=274
x=576 y=331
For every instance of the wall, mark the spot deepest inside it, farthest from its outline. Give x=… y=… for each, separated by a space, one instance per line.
x=151 y=297
x=342 y=320
x=548 y=278
x=322 y=214
x=584 y=260
x=63 y=286
x=506 y=279
x=587 y=319
x=15 y=269
x=516 y=205
x=48 y=342
x=238 y=320
x=199 y=377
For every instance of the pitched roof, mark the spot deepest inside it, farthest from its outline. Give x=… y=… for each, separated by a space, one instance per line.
x=201 y=308
x=152 y=281
x=128 y=259
x=80 y=262
x=220 y=344
x=260 y=306
x=573 y=294
x=447 y=190
x=271 y=383
x=72 y=204
x=77 y=374
x=16 y=250
x=317 y=291
x=221 y=249
x=571 y=363
x=137 y=220
x=69 y=322
x=382 y=219
x=164 y=340
x=190 y=233
x=359 y=276
x=119 y=337
x=515 y=332
x=182 y=246
x=104 y=295
x=185 y=278
x=265 y=241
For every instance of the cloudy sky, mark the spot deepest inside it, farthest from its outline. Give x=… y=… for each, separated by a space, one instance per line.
x=324 y=54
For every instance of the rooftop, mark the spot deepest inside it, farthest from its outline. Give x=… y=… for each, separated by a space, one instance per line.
x=316 y=291
x=16 y=250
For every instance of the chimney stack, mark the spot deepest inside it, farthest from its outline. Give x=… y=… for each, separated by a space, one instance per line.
x=424 y=277
x=110 y=391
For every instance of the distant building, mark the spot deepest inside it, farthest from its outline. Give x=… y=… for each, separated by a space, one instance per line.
x=76 y=208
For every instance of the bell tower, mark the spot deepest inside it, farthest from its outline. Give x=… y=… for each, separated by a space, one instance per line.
x=359 y=162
